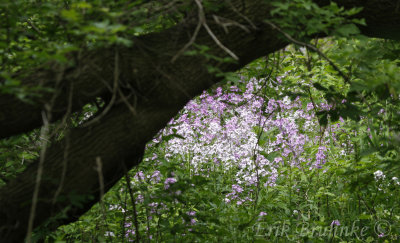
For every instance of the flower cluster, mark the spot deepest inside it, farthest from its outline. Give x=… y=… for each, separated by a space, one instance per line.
x=238 y=129
x=239 y=132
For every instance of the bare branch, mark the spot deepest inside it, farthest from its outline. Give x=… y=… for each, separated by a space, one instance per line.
x=242 y=15
x=209 y=31
x=192 y=40
x=225 y=23
x=43 y=134
x=114 y=93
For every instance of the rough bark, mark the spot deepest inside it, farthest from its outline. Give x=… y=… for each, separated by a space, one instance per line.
x=161 y=89
x=91 y=74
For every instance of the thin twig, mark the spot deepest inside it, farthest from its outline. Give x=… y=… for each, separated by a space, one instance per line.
x=45 y=139
x=209 y=31
x=99 y=168
x=43 y=134
x=135 y=220
x=125 y=100
x=69 y=110
x=242 y=15
x=202 y=21
x=64 y=171
x=191 y=41
x=225 y=23
x=114 y=94
x=33 y=26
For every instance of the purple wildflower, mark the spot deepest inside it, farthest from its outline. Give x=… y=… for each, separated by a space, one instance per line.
x=335 y=222
x=169 y=181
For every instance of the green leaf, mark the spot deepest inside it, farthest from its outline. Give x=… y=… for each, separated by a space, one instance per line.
x=70 y=15
x=347 y=30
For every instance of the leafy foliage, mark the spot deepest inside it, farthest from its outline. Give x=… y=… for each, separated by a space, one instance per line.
x=225 y=169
